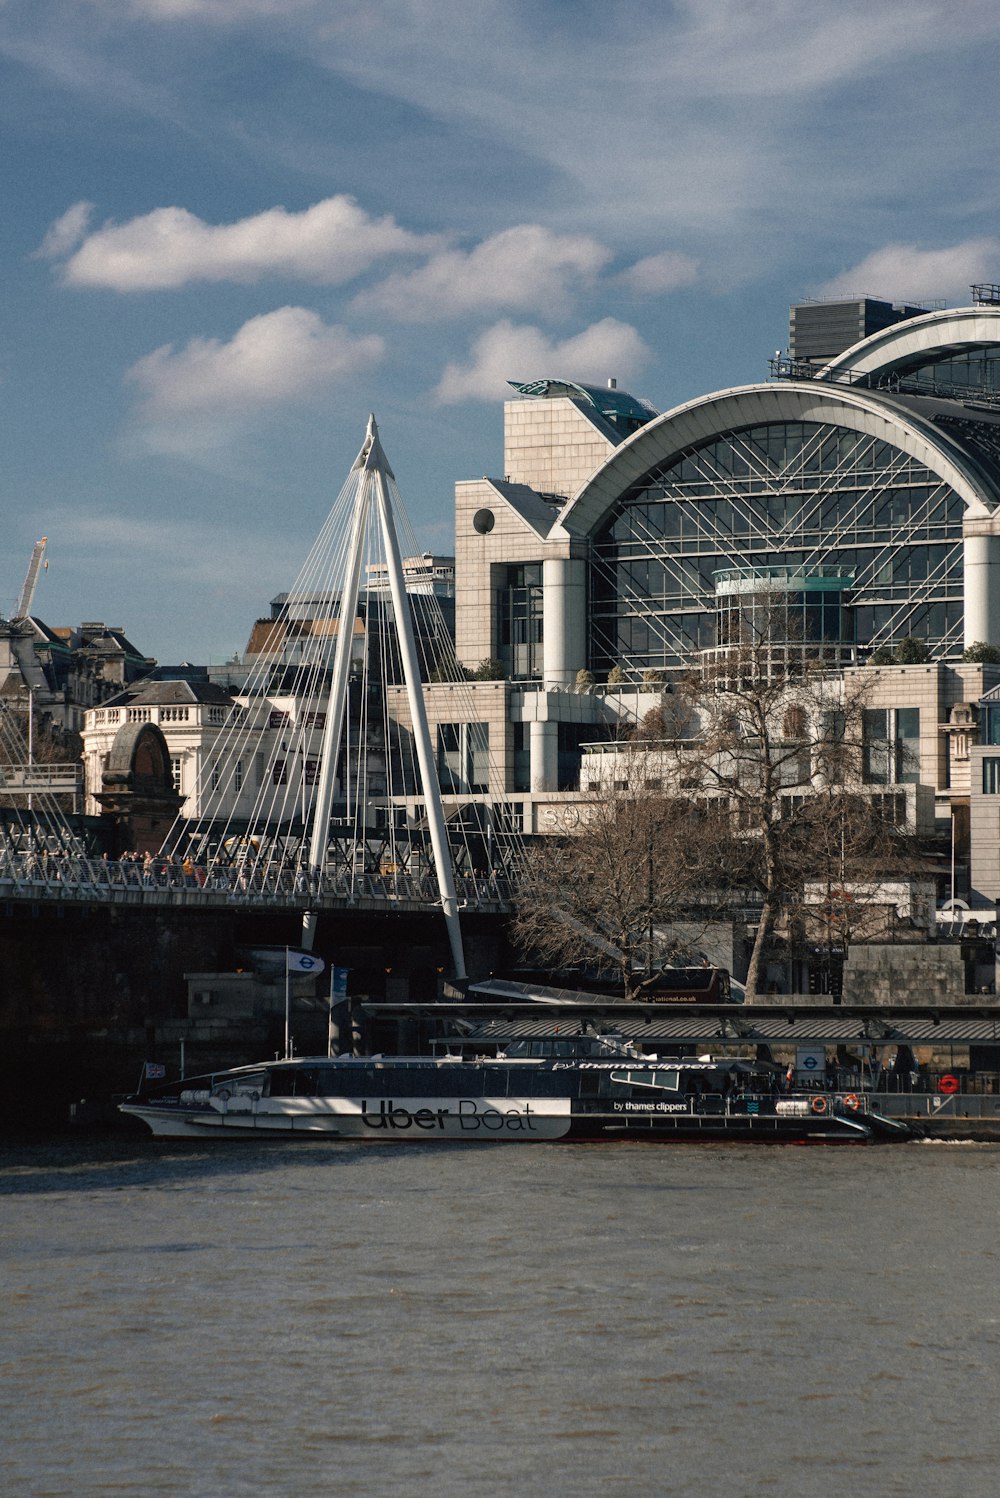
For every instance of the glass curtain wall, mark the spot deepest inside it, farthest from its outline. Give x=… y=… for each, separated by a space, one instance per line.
x=519 y=626
x=791 y=495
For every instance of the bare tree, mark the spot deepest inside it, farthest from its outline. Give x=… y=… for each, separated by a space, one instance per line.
x=849 y=850
x=777 y=737
x=623 y=867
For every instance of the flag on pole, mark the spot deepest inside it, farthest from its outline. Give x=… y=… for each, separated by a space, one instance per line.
x=155 y=1071
x=303 y=962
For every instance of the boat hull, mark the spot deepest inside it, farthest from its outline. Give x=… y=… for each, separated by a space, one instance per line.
x=482 y=1120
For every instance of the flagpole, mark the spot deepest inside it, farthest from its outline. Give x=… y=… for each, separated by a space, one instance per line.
x=288 y=1007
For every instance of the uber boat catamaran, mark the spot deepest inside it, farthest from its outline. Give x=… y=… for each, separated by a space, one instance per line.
x=584 y=1087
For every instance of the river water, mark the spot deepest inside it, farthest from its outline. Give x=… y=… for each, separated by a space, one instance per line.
x=314 y=1318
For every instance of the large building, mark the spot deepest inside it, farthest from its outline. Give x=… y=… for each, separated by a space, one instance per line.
x=867 y=488
x=863 y=492
x=63 y=672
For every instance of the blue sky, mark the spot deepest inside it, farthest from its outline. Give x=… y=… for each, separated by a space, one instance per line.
x=233 y=227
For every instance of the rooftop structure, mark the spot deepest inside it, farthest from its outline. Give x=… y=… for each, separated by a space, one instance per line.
x=819 y=330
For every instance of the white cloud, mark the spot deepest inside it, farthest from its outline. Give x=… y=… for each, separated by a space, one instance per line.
x=659 y=273
x=65 y=234
x=507 y=352
x=277 y=357
x=329 y=243
x=901 y=272
x=523 y=268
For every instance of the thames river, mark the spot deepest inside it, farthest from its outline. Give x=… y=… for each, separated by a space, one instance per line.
x=280 y=1319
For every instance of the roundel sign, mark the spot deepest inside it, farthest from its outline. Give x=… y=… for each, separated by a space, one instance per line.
x=948 y=1084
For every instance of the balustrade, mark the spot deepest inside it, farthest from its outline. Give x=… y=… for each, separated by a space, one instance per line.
x=44 y=873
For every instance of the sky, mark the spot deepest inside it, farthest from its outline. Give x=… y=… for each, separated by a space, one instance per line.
x=232 y=228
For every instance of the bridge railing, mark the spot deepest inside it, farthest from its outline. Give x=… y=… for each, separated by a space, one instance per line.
x=57 y=876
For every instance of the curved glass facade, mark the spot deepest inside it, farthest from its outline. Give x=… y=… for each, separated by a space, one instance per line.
x=791 y=607
x=800 y=496
x=945 y=372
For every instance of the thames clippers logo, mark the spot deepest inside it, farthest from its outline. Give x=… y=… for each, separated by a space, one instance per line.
x=468 y=1114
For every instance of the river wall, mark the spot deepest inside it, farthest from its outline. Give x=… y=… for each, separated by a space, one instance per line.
x=89 y=993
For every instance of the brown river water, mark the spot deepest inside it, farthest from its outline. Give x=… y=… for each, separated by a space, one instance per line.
x=263 y=1320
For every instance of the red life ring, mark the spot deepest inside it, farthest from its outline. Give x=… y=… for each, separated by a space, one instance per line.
x=819 y=1104
x=949 y=1084
x=852 y=1101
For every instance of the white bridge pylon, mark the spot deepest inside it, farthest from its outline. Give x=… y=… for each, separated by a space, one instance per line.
x=373 y=508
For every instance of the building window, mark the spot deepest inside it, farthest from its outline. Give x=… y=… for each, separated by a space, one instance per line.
x=449 y=755
x=991 y=776
x=522 y=757
x=908 y=745
x=990 y=731
x=214 y=778
x=519 y=624
x=891 y=746
x=238 y=777
x=570 y=739
x=463 y=757
x=478 y=739
x=875 y=758
x=175 y=772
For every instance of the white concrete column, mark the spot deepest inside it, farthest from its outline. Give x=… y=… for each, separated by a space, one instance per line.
x=564 y=620
x=543 y=748
x=982 y=586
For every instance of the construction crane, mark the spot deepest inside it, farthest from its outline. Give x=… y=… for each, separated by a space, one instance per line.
x=23 y=608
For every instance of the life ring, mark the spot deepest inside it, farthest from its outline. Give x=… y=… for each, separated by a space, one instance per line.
x=852 y=1101
x=819 y=1104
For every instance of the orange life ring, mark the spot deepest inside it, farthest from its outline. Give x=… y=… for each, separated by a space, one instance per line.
x=819 y=1104
x=852 y=1101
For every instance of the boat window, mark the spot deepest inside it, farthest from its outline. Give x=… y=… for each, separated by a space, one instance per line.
x=294 y=1081
x=668 y=1081
x=350 y=1080
x=249 y=1082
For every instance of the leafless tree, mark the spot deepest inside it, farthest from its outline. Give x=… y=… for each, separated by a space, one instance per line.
x=624 y=866
x=850 y=849
x=776 y=736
